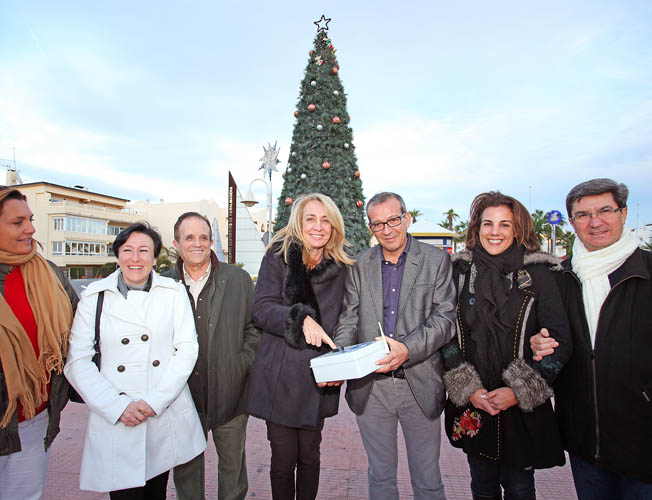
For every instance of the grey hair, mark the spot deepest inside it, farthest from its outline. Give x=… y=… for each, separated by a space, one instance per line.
x=379 y=198
x=594 y=187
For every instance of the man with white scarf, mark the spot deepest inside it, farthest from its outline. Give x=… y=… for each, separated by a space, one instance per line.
x=603 y=396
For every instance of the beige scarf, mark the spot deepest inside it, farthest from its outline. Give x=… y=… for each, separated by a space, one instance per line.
x=25 y=376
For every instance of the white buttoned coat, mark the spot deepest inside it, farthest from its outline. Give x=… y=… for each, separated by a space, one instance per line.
x=149 y=348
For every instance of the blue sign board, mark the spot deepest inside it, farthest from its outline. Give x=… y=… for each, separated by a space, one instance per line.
x=554 y=217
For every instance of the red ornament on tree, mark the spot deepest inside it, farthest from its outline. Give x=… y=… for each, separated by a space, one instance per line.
x=335 y=70
x=296 y=114
x=336 y=119
x=359 y=203
x=326 y=165
x=356 y=173
x=311 y=107
x=289 y=201
x=310 y=52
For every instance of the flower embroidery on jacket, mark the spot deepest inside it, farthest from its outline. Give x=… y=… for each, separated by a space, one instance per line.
x=468 y=423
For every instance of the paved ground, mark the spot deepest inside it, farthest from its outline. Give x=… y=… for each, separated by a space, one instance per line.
x=343 y=470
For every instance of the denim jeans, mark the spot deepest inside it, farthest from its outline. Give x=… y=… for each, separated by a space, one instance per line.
x=22 y=474
x=488 y=476
x=595 y=483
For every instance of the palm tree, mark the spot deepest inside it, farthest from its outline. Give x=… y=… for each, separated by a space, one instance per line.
x=540 y=222
x=567 y=239
x=415 y=213
x=460 y=229
x=163 y=262
x=451 y=216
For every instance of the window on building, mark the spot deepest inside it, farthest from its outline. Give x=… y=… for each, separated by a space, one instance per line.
x=77 y=273
x=84 y=248
x=57 y=223
x=57 y=248
x=85 y=225
x=113 y=230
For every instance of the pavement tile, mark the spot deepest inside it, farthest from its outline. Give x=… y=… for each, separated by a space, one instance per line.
x=343 y=470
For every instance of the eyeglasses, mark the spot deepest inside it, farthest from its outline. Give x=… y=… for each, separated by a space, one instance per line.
x=604 y=214
x=393 y=222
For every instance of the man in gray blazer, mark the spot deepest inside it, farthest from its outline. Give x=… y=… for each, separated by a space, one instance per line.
x=408 y=287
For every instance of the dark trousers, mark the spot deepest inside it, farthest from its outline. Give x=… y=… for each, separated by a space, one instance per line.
x=232 y=484
x=487 y=477
x=294 y=449
x=154 y=489
x=594 y=483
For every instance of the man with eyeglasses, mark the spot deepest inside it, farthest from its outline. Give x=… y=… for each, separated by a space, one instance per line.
x=406 y=286
x=603 y=395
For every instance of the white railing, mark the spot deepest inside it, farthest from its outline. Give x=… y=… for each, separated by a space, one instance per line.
x=89 y=206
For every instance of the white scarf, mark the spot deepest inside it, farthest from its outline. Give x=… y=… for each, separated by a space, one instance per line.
x=593 y=270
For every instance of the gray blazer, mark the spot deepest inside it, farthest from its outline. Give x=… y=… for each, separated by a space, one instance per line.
x=425 y=323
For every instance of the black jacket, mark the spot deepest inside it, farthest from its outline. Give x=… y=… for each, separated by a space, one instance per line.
x=525 y=434
x=59 y=393
x=227 y=339
x=604 y=394
x=283 y=389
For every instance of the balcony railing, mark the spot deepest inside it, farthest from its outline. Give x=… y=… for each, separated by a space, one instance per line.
x=89 y=206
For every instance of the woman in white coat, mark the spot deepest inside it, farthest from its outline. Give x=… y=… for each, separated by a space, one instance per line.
x=142 y=420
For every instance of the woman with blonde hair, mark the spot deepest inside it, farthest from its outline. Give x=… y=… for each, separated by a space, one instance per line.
x=297 y=302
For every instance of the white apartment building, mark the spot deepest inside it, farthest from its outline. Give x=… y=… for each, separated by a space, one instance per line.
x=76 y=227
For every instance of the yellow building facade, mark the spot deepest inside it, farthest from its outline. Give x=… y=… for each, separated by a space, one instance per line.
x=76 y=227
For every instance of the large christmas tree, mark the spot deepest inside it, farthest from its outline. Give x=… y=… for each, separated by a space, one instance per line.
x=322 y=156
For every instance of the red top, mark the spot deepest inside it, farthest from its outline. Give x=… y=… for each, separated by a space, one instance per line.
x=16 y=298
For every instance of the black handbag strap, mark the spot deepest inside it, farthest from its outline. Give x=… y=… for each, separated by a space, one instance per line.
x=98 y=314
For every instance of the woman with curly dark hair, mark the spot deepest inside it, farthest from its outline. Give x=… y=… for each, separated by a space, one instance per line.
x=499 y=408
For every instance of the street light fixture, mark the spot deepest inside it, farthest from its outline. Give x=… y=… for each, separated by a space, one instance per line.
x=270 y=160
x=249 y=200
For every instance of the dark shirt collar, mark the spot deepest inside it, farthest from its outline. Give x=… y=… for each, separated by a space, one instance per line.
x=403 y=255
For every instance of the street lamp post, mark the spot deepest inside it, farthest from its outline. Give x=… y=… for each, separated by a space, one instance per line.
x=249 y=201
x=270 y=160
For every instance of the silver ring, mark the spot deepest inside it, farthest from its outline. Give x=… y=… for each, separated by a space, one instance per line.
x=483 y=396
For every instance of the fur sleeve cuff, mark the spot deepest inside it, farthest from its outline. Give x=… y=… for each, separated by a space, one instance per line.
x=294 y=325
x=461 y=382
x=529 y=387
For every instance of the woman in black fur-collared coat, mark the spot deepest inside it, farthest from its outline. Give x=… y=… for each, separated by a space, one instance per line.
x=499 y=408
x=297 y=302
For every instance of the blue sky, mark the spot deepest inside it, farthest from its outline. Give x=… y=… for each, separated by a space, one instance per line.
x=160 y=99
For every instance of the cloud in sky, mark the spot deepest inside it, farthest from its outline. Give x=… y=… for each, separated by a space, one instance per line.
x=445 y=102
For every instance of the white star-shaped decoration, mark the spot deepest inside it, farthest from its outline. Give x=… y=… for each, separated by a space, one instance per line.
x=270 y=159
x=322 y=20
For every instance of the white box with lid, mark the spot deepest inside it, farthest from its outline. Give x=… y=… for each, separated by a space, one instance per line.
x=354 y=361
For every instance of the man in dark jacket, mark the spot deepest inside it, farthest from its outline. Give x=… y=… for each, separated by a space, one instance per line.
x=603 y=395
x=221 y=296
